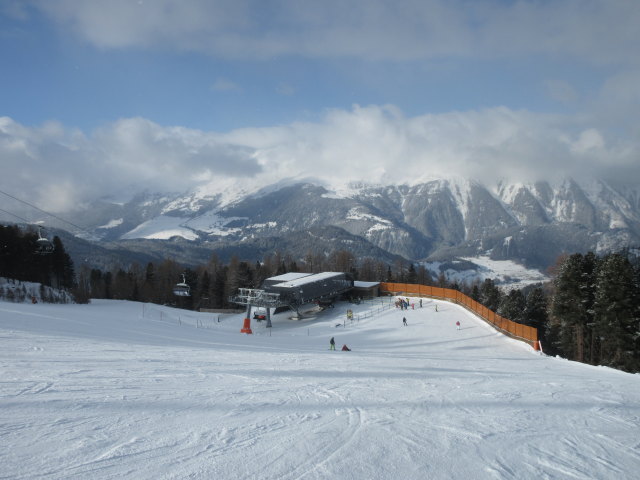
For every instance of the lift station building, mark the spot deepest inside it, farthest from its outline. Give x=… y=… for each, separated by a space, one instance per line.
x=296 y=289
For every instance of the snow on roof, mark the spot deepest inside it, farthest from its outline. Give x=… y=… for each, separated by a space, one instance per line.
x=287 y=277
x=359 y=284
x=309 y=279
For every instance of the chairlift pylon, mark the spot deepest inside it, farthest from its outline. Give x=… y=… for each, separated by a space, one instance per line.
x=182 y=289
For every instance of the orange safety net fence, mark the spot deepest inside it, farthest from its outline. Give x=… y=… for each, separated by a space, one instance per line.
x=516 y=330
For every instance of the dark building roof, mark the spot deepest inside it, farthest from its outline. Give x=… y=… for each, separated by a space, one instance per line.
x=307 y=288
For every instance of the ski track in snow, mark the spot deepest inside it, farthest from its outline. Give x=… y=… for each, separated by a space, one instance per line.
x=121 y=390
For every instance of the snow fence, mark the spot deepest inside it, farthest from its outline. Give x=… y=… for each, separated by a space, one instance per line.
x=516 y=330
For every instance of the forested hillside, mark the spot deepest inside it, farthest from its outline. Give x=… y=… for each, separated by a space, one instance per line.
x=22 y=259
x=595 y=310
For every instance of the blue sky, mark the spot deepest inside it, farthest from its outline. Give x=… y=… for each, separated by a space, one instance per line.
x=132 y=92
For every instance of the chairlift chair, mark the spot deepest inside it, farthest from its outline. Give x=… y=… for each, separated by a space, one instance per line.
x=182 y=289
x=43 y=245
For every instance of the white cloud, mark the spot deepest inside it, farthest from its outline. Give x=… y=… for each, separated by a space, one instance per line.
x=592 y=30
x=380 y=144
x=589 y=140
x=58 y=167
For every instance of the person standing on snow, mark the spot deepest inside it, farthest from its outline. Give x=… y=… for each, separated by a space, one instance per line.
x=458 y=325
x=332 y=344
x=404 y=321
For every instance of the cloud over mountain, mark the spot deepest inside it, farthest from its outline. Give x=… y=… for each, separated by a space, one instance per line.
x=376 y=144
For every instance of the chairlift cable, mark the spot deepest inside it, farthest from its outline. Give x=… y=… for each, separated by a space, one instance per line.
x=43 y=211
x=44 y=245
x=81 y=229
x=17 y=216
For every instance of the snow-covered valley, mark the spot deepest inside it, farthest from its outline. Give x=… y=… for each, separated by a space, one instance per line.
x=127 y=390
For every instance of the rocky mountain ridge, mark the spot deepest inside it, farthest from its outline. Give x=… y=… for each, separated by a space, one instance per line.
x=436 y=220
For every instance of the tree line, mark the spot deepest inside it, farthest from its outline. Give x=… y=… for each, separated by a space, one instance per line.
x=594 y=310
x=212 y=285
x=19 y=259
x=589 y=312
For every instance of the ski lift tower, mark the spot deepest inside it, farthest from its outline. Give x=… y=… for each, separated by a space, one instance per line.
x=252 y=297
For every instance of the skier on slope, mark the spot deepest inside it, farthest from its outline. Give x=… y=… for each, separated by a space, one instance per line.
x=332 y=344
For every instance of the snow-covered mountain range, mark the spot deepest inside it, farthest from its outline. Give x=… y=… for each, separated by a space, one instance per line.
x=436 y=220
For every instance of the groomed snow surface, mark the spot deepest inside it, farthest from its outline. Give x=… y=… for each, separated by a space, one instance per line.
x=124 y=390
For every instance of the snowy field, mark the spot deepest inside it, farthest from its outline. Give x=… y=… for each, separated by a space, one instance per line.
x=506 y=273
x=125 y=390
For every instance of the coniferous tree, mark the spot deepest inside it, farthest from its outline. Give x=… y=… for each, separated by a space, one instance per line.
x=135 y=289
x=96 y=283
x=615 y=306
x=108 y=283
x=389 y=277
x=412 y=275
x=490 y=295
x=120 y=289
x=259 y=274
x=475 y=292
x=205 y=289
x=168 y=274
x=512 y=306
x=17 y=259
x=237 y=277
x=589 y=269
x=572 y=306
x=217 y=274
x=399 y=271
x=636 y=286
x=62 y=272
x=535 y=309
x=219 y=288
x=147 y=290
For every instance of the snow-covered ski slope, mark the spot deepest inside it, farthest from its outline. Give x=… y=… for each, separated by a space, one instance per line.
x=124 y=390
